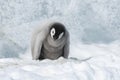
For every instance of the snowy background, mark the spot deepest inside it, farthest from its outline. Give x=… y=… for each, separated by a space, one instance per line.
x=94 y=27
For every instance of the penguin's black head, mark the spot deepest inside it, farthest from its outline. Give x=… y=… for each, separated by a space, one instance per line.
x=57 y=31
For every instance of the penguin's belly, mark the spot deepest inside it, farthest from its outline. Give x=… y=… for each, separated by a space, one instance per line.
x=50 y=52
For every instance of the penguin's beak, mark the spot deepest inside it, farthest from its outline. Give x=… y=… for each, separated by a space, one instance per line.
x=55 y=38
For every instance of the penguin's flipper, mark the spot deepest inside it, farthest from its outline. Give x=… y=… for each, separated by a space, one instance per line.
x=37 y=41
x=66 y=47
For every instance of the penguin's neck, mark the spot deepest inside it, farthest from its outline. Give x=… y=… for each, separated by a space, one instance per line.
x=55 y=43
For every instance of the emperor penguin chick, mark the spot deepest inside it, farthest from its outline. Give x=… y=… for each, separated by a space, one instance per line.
x=50 y=41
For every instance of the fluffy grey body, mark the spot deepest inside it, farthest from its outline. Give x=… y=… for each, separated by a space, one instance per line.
x=44 y=46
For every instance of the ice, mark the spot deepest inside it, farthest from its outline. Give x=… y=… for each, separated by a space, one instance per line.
x=94 y=35
x=89 y=21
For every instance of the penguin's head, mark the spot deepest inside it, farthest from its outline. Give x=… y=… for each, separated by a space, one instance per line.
x=57 y=31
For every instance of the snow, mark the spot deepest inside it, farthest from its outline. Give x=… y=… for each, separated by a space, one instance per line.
x=100 y=62
x=94 y=35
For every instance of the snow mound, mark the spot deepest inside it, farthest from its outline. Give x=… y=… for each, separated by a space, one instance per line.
x=61 y=69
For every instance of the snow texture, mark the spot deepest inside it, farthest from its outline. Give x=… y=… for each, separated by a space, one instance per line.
x=89 y=21
x=94 y=27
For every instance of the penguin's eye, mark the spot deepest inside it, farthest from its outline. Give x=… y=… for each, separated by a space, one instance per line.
x=52 y=32
x=60 y=36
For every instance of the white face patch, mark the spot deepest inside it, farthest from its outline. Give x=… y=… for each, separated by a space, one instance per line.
x=61 y=35
x=52 y=33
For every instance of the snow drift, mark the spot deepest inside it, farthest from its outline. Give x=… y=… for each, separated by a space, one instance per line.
x=89 y=21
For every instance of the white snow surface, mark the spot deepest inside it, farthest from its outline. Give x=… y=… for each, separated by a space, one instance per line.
x=94 y=27
x=100 y=62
